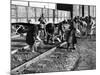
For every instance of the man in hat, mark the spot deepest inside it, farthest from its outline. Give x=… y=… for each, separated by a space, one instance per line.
x=42 y=21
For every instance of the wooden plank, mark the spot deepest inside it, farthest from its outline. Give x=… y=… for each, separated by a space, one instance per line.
x=14 y=51
x=16 y=36
x=25 y=65
x=25 y=47
x=18 y=43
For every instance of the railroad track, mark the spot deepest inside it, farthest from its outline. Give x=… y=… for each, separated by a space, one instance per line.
x=20 y=68
x=17 y=42
x=15 y=36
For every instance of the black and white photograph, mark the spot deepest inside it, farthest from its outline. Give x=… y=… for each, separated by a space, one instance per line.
x=51 y=37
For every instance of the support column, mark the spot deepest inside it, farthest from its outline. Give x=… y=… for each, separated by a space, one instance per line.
x=57 y=15
x=48 y=14
x=71 y=13
x=53 y=16
x=35 y=13
x=16 y=14
x=88 y=10
x=27 y=10
x=82 y=10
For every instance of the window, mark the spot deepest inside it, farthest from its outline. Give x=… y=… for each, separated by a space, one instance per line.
x=21 y=11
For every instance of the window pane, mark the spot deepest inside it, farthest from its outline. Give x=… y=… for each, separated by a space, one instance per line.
x=13 y=20
x=38 y=12
x=62 y=18
x=85 y=10
x=21 y=11
x=13 y=6
x=50 y=13
x=13 y=13
x=68 y=15
x=63 y=14
x=59 y=19
x=45 y=12
x=94 y=11
x=31 y=12
x=22 y=20
x=50 y=20
x=56 y=20
x=56 y=13
x=32 y=20
x=59 y=14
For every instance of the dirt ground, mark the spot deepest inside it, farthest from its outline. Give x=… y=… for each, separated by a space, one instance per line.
x=84 y=58
x=87 y=51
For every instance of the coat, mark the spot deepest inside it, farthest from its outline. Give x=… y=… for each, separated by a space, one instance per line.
x=31 y=35
x=70 y=36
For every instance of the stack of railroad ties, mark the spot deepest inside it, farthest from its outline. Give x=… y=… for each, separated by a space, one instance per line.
x=51 y=59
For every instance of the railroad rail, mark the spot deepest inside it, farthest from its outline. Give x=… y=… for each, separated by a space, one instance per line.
x=20 y=68
x=25 y=47
x=15 y=36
